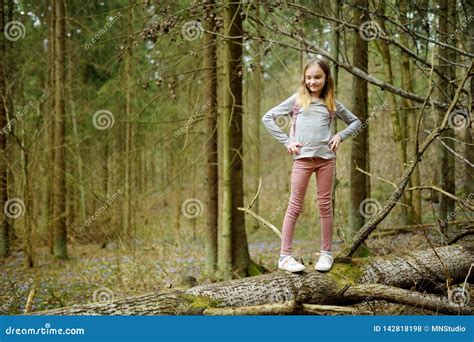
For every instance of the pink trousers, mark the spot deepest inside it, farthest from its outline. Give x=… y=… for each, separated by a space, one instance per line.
x=302 y=170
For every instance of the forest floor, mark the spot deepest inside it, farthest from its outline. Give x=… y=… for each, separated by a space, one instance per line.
x=96 y=275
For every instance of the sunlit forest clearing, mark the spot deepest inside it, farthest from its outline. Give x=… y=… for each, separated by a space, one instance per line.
x=135 y=162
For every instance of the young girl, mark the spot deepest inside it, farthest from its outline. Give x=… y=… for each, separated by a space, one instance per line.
x=313 y=149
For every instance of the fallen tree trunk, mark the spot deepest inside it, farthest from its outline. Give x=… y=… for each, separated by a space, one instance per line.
x=389 y=278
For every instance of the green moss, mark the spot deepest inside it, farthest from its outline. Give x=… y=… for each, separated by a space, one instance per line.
x=255 y=269
x=363 y=252
x=345 y=273
x=202 y=302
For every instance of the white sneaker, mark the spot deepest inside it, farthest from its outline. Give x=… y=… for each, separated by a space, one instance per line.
x=324 y=263
x=290 y=264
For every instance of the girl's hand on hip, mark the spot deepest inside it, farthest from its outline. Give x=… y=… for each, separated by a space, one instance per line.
x=294 y=148
x=335 y=142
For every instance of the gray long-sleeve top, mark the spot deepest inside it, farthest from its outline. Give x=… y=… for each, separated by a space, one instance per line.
x=312 y=127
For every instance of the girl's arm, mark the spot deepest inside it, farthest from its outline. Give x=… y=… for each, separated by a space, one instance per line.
x=353 y=123
x=269 y=119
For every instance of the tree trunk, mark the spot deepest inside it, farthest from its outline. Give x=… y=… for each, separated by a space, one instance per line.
x=28 y=202
x=235 y=247
x=386 y=278
x=212 y=179
x=80 y=168
x=413 y=198
x=5 y=224
x=50 y=123
x=128 y=211
x=469 y=151
x=58 y=172
x=359 y=182
x=336 y=9
x=255 y=113
x=445 y=92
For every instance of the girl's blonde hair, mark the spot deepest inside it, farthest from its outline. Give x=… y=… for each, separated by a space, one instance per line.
x=327 y=94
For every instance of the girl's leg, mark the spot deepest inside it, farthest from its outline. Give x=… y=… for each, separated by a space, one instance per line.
x=300 y=175
x=324 y=179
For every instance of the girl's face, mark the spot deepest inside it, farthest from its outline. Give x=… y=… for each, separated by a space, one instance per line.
x=315 y=79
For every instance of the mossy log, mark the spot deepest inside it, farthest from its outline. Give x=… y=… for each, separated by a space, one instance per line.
x=394 y=278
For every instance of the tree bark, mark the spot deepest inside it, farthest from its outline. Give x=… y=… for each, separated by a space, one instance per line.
x=212 y=178
x=59 y=179
x=255 y=114
x=50 y=123
x=235 y=251
x=360 y=183
x=387 y=277
x=469 y=151
x=128 y=233
x=446 y=168
x=5 y=224
x=409 y=120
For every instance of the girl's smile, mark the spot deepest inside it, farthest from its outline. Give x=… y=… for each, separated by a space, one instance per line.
x=315 y=79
